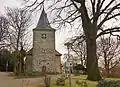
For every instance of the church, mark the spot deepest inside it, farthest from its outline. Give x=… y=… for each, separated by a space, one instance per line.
x=43 y=57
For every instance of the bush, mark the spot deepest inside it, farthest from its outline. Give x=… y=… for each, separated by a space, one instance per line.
x=81 y=83
x=112 y=83
x=61 y=80
x=29 y=74
x=33 y=74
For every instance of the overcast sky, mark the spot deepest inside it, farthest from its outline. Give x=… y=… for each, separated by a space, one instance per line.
x=10 y=3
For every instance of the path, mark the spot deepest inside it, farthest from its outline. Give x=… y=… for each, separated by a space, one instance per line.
x=7 y=81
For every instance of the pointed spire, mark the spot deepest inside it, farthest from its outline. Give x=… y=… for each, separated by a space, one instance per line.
x=43 y=21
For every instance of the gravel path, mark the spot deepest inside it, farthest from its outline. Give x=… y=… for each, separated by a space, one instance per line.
x=7 y=81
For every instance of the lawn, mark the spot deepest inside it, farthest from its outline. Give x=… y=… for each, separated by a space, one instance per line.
x=74 y=79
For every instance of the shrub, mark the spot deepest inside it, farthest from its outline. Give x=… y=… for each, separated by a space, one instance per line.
x=29 y=74
x=61 y=80
x=52 y=73
x=81 y=83
x=32 y=74
x=76 y=72
x=112 y=83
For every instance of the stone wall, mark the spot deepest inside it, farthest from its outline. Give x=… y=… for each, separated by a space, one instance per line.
x=58 y=64
x=44 y=50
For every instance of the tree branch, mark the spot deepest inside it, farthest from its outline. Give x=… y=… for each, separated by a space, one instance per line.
x=105 y=18
x=108 y=31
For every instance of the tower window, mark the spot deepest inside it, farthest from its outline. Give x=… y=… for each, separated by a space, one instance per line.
x=43 y=36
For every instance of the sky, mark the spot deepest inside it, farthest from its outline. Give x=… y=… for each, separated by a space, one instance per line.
x=61 y=36
x=11 y=3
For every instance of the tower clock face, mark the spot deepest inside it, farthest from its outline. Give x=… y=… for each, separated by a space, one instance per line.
x=43 y=36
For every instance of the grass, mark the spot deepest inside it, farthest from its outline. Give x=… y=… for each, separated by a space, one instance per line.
x=112 y=78
x=83 y=78
x=74 y=78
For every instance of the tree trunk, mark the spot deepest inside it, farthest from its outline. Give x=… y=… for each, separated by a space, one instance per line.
x=107 y=70
x=92 y=62
x=22 y=65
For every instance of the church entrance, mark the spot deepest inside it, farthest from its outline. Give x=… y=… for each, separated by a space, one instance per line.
x=43 y=69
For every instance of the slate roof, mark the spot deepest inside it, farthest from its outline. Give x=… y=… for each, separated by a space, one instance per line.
x=43 y=22
x=57 y=53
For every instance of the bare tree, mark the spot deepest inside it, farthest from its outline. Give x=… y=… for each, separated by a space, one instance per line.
x=94 y=16
x=108 y=52
x=19 y=21
x=4 y=32
x=66 y=57
x=79 y=48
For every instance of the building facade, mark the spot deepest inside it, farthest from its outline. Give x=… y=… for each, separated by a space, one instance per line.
x=43 y=57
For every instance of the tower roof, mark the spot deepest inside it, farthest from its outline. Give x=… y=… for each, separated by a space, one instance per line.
x=43 y=21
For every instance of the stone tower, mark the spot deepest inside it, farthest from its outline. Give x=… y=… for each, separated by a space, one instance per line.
x=43 y=46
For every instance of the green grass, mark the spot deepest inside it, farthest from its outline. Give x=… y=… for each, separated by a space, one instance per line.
x=112 y=78
x=74 y=78
x=83 y=78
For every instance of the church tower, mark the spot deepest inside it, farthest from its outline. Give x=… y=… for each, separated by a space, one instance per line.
x=43 y=46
